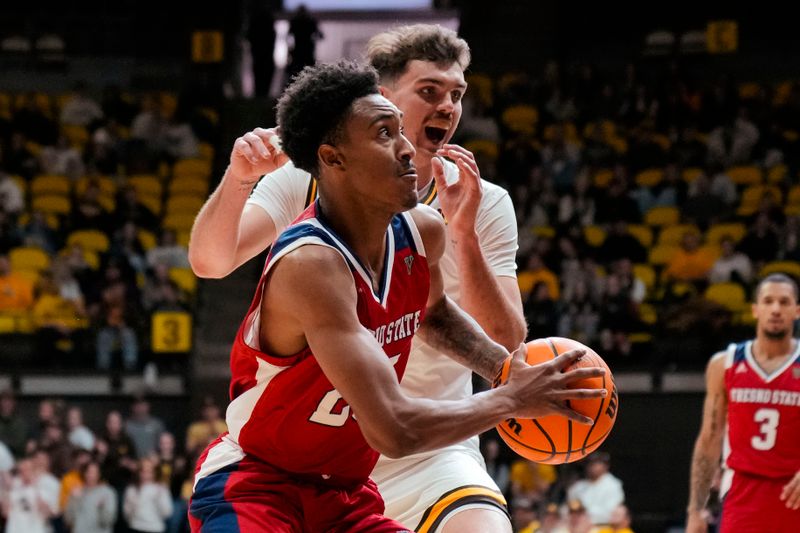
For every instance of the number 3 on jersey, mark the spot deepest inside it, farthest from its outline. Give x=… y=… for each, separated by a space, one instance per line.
x=768 y=418
x=326 y=413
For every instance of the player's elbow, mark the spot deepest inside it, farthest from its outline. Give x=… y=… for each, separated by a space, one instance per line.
x=205 y=267
x=395 y=442
x=510 y=333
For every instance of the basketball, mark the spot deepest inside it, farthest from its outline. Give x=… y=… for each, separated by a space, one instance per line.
x=555 y=439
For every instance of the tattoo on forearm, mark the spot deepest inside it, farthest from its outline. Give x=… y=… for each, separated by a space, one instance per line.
x=450 y=331
x=703 y=470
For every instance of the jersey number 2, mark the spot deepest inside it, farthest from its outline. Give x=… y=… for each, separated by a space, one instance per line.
x=324 y=413
x=768 y=418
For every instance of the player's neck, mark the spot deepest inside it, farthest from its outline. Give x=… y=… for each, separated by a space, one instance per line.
x=424 y=172
x=362 y=227
x=766 y=348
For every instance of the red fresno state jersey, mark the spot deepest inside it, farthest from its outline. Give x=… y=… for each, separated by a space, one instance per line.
x=763 y=437
x=284 y=411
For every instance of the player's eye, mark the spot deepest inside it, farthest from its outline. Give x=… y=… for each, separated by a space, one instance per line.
x=457 y=95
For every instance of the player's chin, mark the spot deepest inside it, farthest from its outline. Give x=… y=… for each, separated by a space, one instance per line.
x=776 y=332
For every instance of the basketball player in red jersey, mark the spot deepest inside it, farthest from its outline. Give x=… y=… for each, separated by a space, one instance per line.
x=753 y=405
x=317 y=361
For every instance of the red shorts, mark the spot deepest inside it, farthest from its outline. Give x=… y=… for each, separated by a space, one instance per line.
x=753 y=505
x=252 y=496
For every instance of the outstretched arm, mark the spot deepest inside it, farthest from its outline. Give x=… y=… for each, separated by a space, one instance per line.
x=226 y=232
x=708 y=447
x=321 y=310
x=492 y=300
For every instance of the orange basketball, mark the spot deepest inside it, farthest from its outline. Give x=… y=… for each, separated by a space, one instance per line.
x=555 y=439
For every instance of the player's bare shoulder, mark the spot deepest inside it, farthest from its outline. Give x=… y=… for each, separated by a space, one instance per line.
x=308 y=270
x=431 y=228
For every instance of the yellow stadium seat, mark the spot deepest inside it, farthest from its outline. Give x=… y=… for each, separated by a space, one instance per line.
x=745 y=175
x=106 y=185
x=729 y=295
x=648 y=314
x=89 y=239
x=661 y=254
x=649 y=177
x=753 y=194
x=8 y=324
x=791 y=268
x=690 y=174
x=481 y=84
x=183 y=237
x=749 y=90
x=153 y=203
x=77 y=136
x=91 y=257
x=792 y=210
x=547 y=232
x=28 y=258
x=602 y=178
x=184 y=278
x=483 y=146
x=179 y=221
x=147 y=239
x=642 y=233
x=647 y=274
x=570 y=132
x=794 y=196
x=594 y=235
x=59 y=205
x=46 y=184
x=777 y=174
x=662 y=216
x=184 y=203
x=520 y=118
x=189 y=185
x=736 y=230
x=672 y=235
x=191 y=167
x=146 y=184
x=206 y=152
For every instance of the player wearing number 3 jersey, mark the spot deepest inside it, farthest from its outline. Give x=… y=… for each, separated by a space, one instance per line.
x=753 y=405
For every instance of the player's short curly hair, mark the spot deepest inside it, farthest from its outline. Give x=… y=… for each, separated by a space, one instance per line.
x=313 y=107
x=390 y=51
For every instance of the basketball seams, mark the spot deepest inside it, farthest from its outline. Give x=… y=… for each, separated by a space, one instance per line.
x=572 y=453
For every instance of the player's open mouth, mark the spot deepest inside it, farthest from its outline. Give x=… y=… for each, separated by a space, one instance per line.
x=434 y=134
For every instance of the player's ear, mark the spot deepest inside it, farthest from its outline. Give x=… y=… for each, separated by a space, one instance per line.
x=329 y=156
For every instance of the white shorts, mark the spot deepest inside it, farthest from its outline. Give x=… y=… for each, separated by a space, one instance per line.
x=425 y=492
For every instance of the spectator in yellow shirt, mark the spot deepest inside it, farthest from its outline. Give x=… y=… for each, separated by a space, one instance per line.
x=620 y=522
x=536 y=271
x=691 y=262
x=208 y=428
x=530 y=480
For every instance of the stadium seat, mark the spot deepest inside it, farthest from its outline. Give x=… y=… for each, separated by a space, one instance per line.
x=179 y=221
x=791 y=268
x=28 y=258
x=147 y=239
x=662 y=216
x=482 y=85
x=690 y=174
x=184 y=278
x=189 y=185
x=58 y=205
x=46 y=184
x=206 y=152
x=483 y=146
x=602 y=178
x=649 y=177
x=661 y=254
x=777 y=174
x=520 y=118
x=191 y=168
x=146 y=184
x=77 y=136
x=647 y=313
x=153 y=203
x=716 y=232
x=547 y=232
x=745 y=175
x=594 y=235
x=106 y=184
x=672 y=235
x=642 y=233
x=729 y=295
x=89 y=239
x=184 y=203
x=50 y=219
x=753 y=194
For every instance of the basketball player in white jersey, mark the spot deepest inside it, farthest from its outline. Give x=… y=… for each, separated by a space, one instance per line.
x=422 y=72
